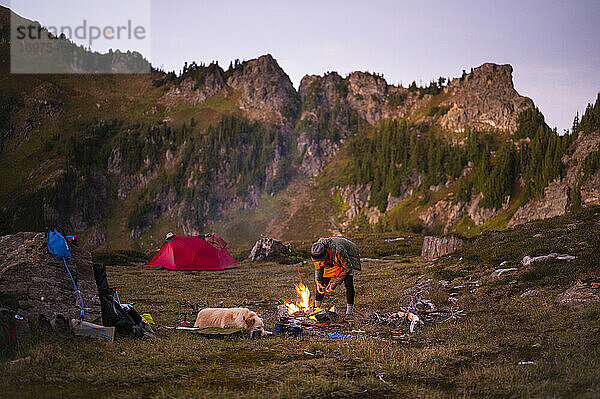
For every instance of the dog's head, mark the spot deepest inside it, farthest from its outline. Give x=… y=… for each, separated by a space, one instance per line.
x=253 y=322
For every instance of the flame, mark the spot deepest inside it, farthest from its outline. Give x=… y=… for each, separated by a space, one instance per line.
x=302 y=301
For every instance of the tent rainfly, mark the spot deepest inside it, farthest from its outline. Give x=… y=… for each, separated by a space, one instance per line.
x=193 y=253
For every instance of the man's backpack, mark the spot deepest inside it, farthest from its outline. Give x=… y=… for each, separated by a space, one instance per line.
x=125 y=320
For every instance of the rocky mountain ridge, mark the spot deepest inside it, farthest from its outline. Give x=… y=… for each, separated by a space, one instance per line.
x=485 y=97
x=127 y=158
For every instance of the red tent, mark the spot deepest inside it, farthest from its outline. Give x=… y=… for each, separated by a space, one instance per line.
x=191 y=253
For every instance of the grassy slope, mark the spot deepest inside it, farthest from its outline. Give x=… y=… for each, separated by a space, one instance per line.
x=118 y=97
x=305 y=210
x=130 y=98
x=477 y=355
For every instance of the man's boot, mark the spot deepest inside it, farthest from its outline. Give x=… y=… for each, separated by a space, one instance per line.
x=349 y=311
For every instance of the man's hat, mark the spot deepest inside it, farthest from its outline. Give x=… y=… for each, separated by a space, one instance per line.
x=317 y=251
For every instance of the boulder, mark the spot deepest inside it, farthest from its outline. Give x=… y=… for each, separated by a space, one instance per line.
x=40 y=281
x=267 y=247
x=439 y=246
x=581 y=294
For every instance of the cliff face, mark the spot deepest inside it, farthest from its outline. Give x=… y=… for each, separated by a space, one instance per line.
x=193 y=93
x=557 y=196
x=325 y=120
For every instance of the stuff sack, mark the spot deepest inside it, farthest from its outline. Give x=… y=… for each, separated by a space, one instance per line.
x=124 y=318
x=57 y=243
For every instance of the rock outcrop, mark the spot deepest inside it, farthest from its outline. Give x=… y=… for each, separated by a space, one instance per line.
x=357 y=198
x=581 y=294
x=193 y=92
x=485 y=96
x=367 y=94
x=265 y=90
x=447 y=212
x=434 y=247
x=40 y=280
x=324 y=121
x=553 y=203
x=266 y=248
x=404 y=191
x=556 y=198
x=590 y=189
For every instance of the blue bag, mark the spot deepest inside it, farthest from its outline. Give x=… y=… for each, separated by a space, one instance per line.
x=57 y=244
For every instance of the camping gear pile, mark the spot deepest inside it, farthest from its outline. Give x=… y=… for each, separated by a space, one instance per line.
x=117 y=318
x=122 y=317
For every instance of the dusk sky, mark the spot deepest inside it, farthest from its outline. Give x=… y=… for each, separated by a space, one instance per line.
x=553 y=46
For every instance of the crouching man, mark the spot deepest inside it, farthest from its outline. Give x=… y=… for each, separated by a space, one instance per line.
x=335 y=260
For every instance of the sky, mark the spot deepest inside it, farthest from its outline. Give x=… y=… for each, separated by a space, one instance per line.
x=552 y=45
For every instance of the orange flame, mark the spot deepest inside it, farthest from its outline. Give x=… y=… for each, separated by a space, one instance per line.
x=302 y=301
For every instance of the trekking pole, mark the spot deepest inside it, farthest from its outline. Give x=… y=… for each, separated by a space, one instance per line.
x=81 y=312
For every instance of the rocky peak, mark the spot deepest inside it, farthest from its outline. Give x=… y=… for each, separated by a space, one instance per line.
x=366 y=94
x=326 y=88
x=486 y=96
x=265 y=89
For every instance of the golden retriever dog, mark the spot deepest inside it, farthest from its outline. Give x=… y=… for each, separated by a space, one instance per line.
x=229 y=318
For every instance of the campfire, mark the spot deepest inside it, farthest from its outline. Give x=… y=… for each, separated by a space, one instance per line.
x=302 y=309
x=302 y=305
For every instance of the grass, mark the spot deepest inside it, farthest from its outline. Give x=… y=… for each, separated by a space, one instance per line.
x=120 y=257
x=477 y=355
x=206 y=113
